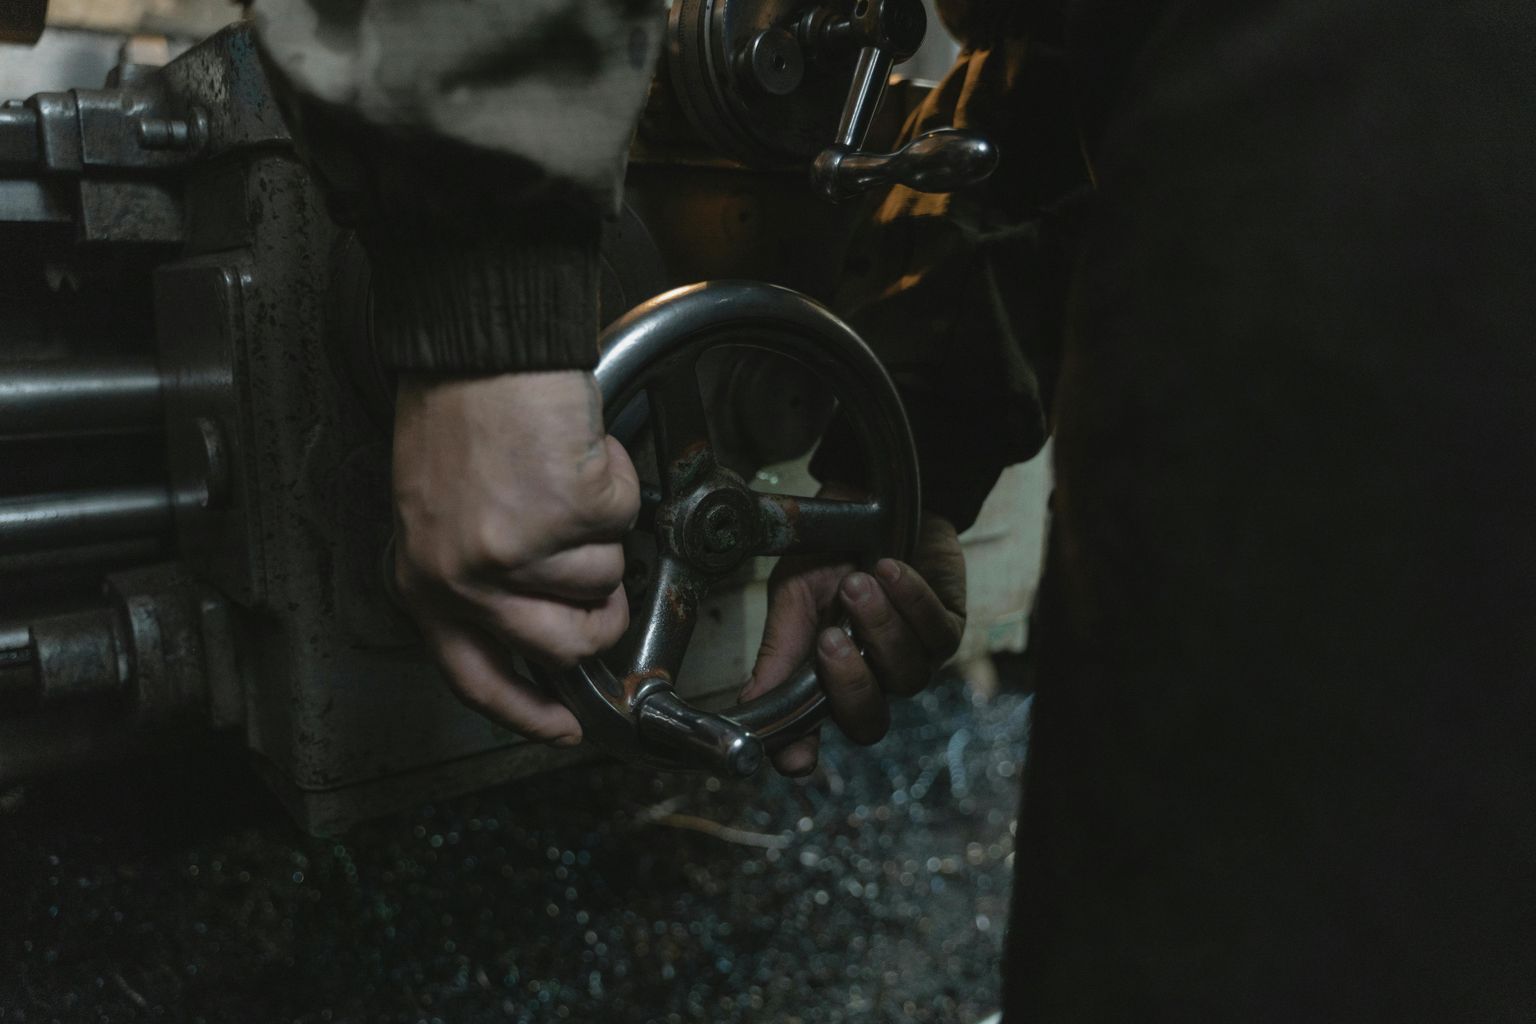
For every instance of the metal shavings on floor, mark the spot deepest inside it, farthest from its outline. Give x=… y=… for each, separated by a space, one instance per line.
x=875 y=891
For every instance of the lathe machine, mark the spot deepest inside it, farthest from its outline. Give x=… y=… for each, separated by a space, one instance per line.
x=194 y=431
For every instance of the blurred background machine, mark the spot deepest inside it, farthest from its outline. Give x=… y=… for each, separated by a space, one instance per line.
x=194 y=434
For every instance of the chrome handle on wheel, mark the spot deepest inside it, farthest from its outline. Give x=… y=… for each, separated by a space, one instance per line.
x=706 y=520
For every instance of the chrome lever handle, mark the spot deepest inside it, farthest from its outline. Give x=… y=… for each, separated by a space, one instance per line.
x=671 y=726
x=942 y=160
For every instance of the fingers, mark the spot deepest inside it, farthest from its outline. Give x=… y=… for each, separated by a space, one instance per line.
x=904 y=626
x=854 y=697
x=934 y=625
x=510 y=504
x=585 y=574
x=624 y=481
x=940 y=562
x=799 y=596
x=609 y=490
x=595 y=503
x=798 y=759
x=788 y=635
x=481 y=674
x=891 y=645
x=555 y=633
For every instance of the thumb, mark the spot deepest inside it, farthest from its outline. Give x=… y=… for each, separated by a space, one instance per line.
x=788 y=637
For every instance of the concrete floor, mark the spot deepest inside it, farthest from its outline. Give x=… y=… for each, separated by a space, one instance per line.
x=876 y=891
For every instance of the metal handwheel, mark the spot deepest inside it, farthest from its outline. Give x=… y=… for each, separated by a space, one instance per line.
x=706 y=520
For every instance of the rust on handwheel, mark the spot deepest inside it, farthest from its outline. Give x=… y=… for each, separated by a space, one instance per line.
x=706 y=519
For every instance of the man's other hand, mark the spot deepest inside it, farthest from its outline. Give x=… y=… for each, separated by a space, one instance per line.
x=510 y=502
x=908 y=619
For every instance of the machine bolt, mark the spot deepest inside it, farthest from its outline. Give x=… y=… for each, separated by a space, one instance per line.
x=722 y=530
x=164 y=133
x=174 y=133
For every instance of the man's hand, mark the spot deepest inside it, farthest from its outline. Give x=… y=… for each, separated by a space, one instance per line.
x=510 y=503
x=908 y=618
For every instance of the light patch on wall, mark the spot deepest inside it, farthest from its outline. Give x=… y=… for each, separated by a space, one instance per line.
x=193 y=18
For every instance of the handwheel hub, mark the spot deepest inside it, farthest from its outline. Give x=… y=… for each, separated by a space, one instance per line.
x=716 y=526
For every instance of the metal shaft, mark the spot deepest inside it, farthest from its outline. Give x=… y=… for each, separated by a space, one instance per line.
x=869 y=79
x=68 y=398
x=39 y=522
x=66 y=657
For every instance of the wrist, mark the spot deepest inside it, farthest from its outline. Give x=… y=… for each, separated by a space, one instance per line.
x=523 y=416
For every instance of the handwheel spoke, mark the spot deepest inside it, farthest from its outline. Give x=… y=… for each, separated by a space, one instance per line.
x=650 y=501
x=793 y=526
x=683 y=450
x=674 y=612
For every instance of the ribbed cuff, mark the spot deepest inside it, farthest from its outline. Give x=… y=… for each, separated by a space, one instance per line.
x=487 y=304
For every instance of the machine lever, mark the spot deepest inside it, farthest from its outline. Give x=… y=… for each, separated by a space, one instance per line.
x=942 y=160
x=886 y=32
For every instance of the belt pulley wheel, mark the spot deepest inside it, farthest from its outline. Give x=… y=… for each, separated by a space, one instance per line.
x=707 y=63
x=706 y=520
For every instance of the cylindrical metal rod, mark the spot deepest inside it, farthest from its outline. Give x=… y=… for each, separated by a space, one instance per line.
x=38 y=521
x=65 y=397
x=14 y=636
x=18 y=138
x=869 y=79
x=79 y=654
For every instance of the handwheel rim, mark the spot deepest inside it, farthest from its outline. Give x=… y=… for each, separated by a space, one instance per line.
x=666 y=336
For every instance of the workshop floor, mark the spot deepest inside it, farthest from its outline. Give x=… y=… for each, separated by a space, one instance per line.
x=877 y=891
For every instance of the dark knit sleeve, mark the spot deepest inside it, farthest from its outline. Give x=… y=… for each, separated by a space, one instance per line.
x=476 y=165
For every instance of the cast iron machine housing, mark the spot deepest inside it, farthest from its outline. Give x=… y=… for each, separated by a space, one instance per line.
x=195 y=513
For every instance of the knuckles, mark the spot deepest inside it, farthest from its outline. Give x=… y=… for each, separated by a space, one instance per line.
x=505 y=532
x=564 y=649
x=603 y=509
x=567 y=652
